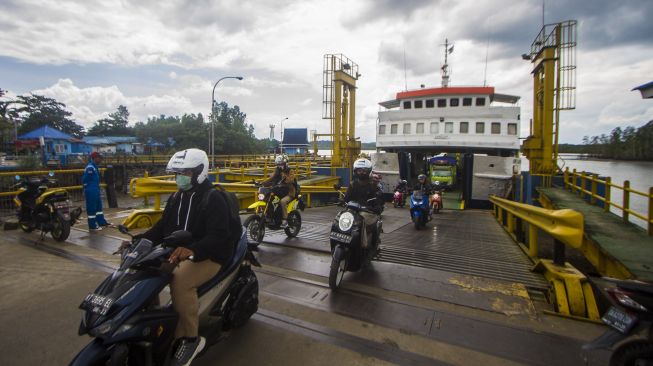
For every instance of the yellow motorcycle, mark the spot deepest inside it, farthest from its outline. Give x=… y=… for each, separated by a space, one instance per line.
x=267 y=214
x=48 y=210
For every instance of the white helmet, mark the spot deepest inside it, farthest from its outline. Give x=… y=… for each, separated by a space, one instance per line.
x=362 y=164
x=194 y=160
x=281 y=159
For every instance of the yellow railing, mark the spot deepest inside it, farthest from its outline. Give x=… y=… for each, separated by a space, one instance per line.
x=570 y=292
x=564 y=225
x=571 y=177
x=57 y=173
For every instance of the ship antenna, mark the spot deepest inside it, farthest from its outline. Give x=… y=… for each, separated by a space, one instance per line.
x=445 y=67
x=487 y=47
x=405 y=79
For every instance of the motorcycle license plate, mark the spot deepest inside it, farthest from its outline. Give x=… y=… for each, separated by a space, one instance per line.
x=619 y=320
x=97 y=304
x=343 y=238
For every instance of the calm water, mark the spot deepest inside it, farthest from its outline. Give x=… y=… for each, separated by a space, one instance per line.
x=640 y=175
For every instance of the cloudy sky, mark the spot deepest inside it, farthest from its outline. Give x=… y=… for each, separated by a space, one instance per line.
x=162 y=57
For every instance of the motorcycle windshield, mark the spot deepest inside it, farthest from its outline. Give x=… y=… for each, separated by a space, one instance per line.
x=417 y=195
x=142 y=249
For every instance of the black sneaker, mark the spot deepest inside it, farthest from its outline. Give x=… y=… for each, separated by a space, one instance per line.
x=187 y=350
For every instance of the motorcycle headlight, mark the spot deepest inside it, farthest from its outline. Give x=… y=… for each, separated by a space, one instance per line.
x=346 y=221
x=261 y=197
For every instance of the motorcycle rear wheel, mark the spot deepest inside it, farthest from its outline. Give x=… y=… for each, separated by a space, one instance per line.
x=632 y=354
x=294 y=224
x=337 y=270
x=61 y=229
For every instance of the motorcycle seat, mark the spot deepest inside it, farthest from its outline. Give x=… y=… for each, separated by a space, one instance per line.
x=227 y=269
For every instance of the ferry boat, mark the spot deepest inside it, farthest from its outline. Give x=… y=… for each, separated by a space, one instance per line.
x=461 y=121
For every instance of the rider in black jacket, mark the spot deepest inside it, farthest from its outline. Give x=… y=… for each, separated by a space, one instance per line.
x=200 y=209
x=361 y=190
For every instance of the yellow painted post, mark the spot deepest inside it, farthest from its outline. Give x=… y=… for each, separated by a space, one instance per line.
x=626 y=200
x=608 y=191
x=308 y=200
x=582 y=185
x=532 y=241
x=511 y=223
x=157 y=202
x=566 y=177
x=573 y=179
x=146 y=202
x=242 y=173
x=595 y=178
x=309 y=169
x=650 y=211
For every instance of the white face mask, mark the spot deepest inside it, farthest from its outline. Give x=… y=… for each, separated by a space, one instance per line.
x=183 y=182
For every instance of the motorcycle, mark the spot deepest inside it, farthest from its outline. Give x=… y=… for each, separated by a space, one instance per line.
x=399 y=195
x=436 y=198
x=48 y=210
x=267 y=213
x=347 y=250
x=419 y=209
x=129 y=326
x=630 y=320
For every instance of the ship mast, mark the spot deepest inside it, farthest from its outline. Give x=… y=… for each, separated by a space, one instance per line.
x=445 y=67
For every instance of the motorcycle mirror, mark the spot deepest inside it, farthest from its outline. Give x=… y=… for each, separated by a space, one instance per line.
x=178 y=238
x=17 y=177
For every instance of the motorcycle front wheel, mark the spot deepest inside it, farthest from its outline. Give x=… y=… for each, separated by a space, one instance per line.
x=633 y=354
x=27 y=228
x=61 y=229
x=294 y=224
x=338 y=267
x=255 y=227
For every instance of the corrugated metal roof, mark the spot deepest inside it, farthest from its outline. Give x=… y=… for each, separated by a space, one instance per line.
x=47 y=132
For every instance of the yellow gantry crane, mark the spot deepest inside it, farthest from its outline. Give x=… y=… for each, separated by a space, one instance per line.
x=339 y=106
x=553 y=54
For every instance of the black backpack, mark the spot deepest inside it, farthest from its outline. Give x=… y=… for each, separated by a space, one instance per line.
x=235 y=226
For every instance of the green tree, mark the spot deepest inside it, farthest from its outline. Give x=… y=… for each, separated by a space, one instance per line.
x=114 y=125
x=38 y=111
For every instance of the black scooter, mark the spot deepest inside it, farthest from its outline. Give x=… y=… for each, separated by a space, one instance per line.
x=131 y=328
x=630 y=320
x=347 y=252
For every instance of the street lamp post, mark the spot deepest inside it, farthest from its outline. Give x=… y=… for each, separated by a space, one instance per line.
x=281 y=145
x=211 y=140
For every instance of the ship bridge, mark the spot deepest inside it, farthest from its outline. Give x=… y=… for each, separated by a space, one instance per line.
x=450 y=119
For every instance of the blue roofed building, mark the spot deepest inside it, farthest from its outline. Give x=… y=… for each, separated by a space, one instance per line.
x=295 y=141
x=55 y=146
x=646 y=90
x=114 y=144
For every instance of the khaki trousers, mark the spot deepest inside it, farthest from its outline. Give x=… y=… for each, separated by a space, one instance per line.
x=187 y=277
x=284 y=206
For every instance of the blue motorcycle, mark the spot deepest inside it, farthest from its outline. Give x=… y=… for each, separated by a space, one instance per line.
x=419 y=209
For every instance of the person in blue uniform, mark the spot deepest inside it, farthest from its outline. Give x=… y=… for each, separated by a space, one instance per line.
x=91 y=183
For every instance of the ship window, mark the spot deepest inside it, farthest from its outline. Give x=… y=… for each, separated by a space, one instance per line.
x=406 y=128
x=442 y=103
x=435 y=128
x=480 y=127
x=467 y=102
x=393 y=129
x=381 y=129
x=418 y=104
x=448 y=127
x=496 y=128
x=464 y=127
x=453 y=102
x=429 y=103
x=407 y=104
x=480 y=102
x=419 y=128
x=512 y=128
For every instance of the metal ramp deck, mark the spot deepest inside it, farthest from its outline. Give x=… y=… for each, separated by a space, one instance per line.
x=466 y=242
